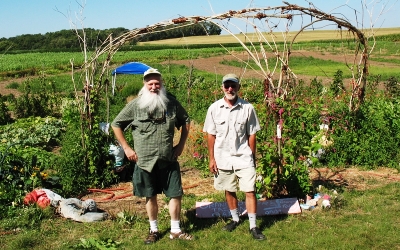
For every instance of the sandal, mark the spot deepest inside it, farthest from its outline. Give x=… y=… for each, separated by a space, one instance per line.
x=181 y=235
x=152 y=237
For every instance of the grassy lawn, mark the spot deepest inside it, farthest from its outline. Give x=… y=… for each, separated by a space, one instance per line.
x=365 y=219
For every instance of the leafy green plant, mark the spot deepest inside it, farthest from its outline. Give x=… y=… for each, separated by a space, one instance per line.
x=25 y=163
x=84 y=153
x=392 y=87
x=20 y=173
x=316 y=87
x=34 y=131
x=367 y=137
x=13 y=85
x=81 y=167
x=93 y=243
x=281 y=161
x=373 y=84
x=125 y=217
x=337 y=85
x=197 y=150
x=40 y=104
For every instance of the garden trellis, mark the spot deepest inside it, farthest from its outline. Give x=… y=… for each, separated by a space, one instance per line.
x=275 y=71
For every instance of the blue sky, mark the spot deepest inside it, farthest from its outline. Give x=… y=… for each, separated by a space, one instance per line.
x=18 y=17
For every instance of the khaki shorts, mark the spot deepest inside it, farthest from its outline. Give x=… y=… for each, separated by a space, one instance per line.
x=228 y=180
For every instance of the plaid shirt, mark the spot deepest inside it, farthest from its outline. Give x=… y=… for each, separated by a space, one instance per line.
x=152 y=133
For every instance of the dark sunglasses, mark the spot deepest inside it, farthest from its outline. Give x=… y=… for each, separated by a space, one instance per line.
x=230 y=85
x=158 y=119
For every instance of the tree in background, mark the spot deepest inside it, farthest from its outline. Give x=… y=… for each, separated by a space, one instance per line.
x=65 y=40
x=178 y=30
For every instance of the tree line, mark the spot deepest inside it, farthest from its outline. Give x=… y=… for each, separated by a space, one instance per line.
x=67 y=40
x=199 y=29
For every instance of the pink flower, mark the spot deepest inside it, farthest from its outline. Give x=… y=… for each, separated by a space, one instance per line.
x=280 y=112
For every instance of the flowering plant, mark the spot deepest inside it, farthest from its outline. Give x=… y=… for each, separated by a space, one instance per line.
x=20 y=173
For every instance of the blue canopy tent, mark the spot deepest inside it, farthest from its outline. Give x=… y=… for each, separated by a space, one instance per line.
x=128 y=68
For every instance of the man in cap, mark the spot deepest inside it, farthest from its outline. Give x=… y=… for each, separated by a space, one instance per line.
x=153 y=117
x=231 y=124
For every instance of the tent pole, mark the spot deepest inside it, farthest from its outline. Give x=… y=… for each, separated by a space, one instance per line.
x=113 y=83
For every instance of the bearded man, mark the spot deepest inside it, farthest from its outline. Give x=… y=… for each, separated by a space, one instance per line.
x=231 y=124
x=153 y=117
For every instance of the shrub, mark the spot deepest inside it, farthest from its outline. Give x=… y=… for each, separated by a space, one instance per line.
x=84 y=161
x=368 y=137
x=5 y=117
x=316 y=87
x=337 y=85
x=196 y=147
x=281 y=162
x=42 y=104
x=392 y=87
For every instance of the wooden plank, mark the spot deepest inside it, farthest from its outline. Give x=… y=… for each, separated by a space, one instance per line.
x=268 y=207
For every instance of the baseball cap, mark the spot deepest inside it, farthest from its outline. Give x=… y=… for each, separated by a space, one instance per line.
x=151 y=71
x=230 y=77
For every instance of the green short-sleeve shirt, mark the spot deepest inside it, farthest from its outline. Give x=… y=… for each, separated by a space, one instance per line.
x=152 y=134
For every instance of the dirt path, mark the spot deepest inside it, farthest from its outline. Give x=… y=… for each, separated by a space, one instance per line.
x=5 y=91
x=192 y=183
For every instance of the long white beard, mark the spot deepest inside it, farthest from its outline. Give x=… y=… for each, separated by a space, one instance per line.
x=153 y=101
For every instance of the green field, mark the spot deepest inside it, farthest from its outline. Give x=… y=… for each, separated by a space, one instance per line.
x=305 y=36
x=31 y=64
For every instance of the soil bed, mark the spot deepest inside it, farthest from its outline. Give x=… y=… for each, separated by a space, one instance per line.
x=193 y=183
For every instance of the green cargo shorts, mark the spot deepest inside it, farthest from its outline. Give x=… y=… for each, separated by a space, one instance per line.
x=165 y=180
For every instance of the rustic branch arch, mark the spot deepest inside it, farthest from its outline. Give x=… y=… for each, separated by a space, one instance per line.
x=276 y=77
x=95 y=70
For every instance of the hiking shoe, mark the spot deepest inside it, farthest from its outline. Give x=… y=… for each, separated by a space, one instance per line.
x=257 y=234
x=230 y=226
x=152 y=237
x=181 y=235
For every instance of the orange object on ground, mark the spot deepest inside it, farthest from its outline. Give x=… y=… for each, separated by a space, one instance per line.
x=37 y=196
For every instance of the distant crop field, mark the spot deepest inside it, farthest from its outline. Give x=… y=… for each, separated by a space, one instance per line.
x=304 y=36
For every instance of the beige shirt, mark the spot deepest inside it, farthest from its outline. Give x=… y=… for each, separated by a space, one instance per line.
x=232 y=128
